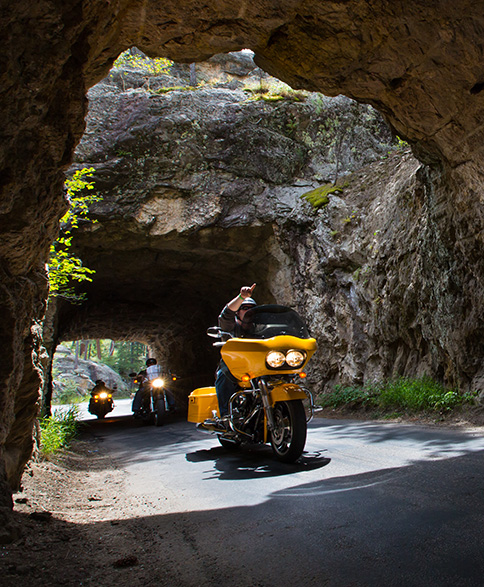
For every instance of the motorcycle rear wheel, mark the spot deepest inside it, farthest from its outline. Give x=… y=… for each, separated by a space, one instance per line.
x=289 y=435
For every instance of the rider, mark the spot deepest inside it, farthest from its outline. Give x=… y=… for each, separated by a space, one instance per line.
x=154 y=371
x=98 y=387
x=231 y=320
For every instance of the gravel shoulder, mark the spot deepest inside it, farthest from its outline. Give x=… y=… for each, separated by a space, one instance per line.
x=75 y=523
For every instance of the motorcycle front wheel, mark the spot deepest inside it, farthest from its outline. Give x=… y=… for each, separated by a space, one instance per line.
x=228 y=443
x=160 y=411
x=289 y=435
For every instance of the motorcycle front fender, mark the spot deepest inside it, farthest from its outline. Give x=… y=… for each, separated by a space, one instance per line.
x=285 y=392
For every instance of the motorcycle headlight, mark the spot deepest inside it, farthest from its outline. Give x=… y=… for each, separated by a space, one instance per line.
x=275 y=359
x=103 y=395
x=157 y=382
x=295 y=358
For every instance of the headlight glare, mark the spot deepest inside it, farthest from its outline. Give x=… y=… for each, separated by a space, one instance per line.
x=275 y=359
x=295 y=358
x=157 y=382
x=103 y=395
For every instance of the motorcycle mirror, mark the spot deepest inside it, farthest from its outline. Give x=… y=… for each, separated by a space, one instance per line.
x=132 y=374
x=214 y=331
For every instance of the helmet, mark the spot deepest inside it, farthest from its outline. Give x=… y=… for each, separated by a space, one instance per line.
x=150 y=362
x=247 y=303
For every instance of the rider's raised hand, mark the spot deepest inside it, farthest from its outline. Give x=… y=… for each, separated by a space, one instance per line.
x=246 y=292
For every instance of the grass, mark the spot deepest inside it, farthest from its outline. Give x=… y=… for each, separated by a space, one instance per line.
x=397 y=396
x=57 y=430
x=271 y=91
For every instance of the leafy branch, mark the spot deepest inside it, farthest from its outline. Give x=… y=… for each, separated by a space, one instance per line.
x=64 y=267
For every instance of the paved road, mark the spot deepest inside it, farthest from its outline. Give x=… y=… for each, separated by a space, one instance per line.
x=122 y=407
x=368 y=504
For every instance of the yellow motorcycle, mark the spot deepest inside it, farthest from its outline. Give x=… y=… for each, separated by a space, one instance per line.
x=268 y=363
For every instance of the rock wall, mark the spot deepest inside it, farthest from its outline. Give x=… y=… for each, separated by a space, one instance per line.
x=417 y=63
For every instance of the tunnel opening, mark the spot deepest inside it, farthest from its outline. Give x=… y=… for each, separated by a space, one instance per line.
x=78 y=364
x=167 y=296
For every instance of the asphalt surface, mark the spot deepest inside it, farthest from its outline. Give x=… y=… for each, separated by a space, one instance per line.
x=368 y=504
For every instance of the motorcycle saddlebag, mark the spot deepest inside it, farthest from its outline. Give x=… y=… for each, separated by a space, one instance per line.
x=201 y=403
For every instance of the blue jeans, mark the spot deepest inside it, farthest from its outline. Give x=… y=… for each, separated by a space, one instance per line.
x=225 y=387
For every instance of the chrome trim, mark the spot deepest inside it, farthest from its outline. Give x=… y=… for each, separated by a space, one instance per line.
x=309 y=395
x=231 y=420
x=267 y=405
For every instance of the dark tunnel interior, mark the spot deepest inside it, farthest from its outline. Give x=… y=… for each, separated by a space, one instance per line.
x=167 y=292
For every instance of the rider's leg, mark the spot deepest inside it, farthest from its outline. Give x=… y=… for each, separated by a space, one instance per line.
x=170 y=398
x=225 y=388
x=138 y=398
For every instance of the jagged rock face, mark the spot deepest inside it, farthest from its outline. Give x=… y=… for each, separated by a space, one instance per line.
x=418 y=63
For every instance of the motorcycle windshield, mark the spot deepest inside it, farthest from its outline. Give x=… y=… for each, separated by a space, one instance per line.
x=272 y=320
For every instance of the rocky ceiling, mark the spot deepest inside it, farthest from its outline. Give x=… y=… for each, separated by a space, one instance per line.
x=419 y=63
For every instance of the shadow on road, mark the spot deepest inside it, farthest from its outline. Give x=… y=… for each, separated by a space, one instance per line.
x=254 y=463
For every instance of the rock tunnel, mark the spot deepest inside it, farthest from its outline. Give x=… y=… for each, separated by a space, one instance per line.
x=167 y=293
x=419 y=64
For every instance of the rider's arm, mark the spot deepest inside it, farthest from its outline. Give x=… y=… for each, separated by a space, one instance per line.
x=245 y=292
x=226 y=320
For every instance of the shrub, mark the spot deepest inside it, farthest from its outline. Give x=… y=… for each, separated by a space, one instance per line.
x=148 y=66
x=66 y=392
x=64 y=267
x=273 y=91
x=404 y=394
x=57 y=430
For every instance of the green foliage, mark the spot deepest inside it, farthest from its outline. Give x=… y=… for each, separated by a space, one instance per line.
x=404 y=394
x=66 y=392
x=320 y=196
x=343 y=396
x=146 y=65
x=178 y=89
x=63 y=267
x=57 y=431
x=124 y=356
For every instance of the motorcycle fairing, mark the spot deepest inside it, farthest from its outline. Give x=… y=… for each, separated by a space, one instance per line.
x=247 y=356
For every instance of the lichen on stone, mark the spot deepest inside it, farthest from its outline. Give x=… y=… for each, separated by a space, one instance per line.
x=319 y=197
